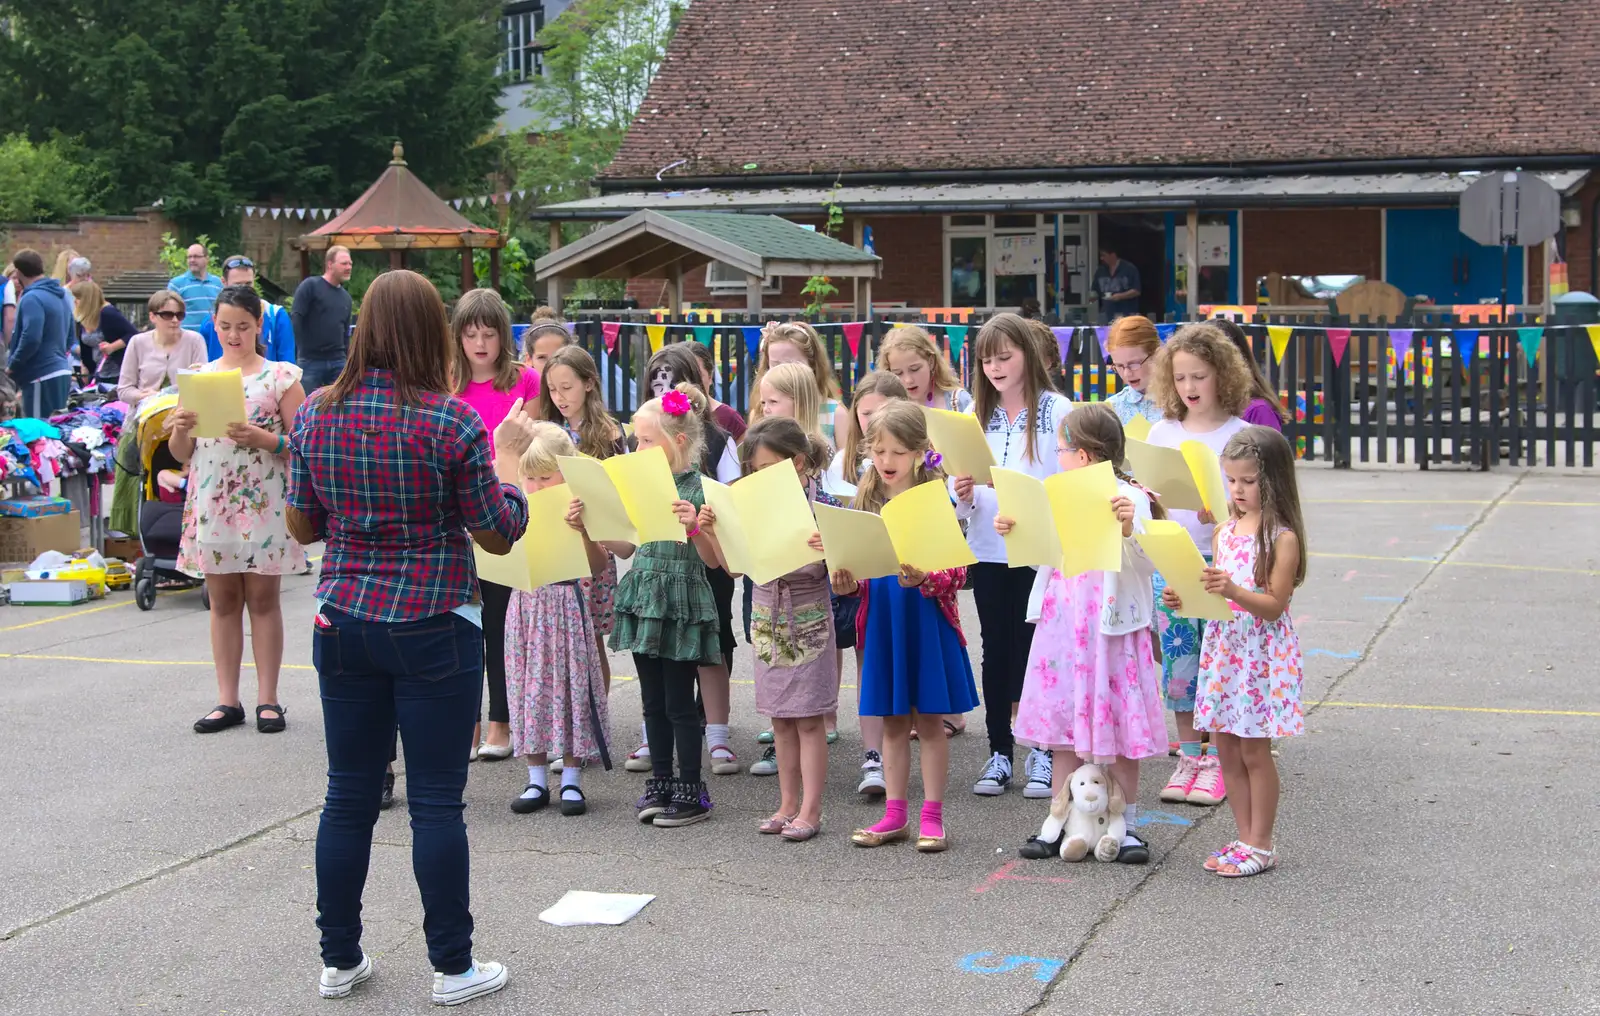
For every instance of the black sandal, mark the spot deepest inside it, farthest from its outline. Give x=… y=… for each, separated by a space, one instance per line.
x=273 y=724
x=231 y=716
x=529 y=805
x=573 y=807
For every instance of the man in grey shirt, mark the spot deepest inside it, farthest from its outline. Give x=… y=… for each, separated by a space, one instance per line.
x=321 y=316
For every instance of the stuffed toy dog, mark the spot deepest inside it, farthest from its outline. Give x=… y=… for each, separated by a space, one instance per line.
x=1089 y=808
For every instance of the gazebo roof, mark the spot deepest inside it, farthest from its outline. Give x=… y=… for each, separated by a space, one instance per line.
x=399 y=211
x=652 y=243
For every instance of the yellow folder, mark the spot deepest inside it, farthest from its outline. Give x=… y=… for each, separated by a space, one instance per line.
x=959 y=439
x=857 y=542
x=216 y=398
x=925 y=531
x=1171 y=549
x=626 y=498
x=550 y=551
x=1188 y=477
x=1137 y=429
x=1065 y=521
x=763 y=523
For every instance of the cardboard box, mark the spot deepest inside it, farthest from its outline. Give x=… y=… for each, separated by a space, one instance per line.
x=26 y=539
x=127 y=548
x=34 y=507
x=51 y=592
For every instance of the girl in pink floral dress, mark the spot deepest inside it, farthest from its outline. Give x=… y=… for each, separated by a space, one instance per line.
x=555 y=687
x=1250 y=667
x=1092 y=686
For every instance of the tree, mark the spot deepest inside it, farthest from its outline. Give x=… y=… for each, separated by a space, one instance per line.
x=205 y=104
x=48 y=182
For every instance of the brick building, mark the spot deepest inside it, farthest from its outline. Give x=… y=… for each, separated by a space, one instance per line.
x=987 y=150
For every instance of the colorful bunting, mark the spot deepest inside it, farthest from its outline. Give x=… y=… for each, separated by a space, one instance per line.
x=1530 y=338
x=658 y=335
x=1063 y=334
x=958 y=338
x=752 y=341
x=1466 y=341
x=1165 y=331
x=1338 y=339
x=1400 y=339
x=852 y=335
x=610 y=330
x=702 y=335
x=1102 y=333
x=1279 y=334
x=1594 y=338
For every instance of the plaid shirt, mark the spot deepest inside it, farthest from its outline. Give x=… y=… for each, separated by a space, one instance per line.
x=394 y=490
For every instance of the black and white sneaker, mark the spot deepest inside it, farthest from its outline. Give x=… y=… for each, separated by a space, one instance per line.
x=872 y=784
x=1038 y=768
x=996 y=777
x=386 y=799
x=657 y=798
x=691 y=803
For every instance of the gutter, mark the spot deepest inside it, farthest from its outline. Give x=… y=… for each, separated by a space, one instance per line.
x=615 y=185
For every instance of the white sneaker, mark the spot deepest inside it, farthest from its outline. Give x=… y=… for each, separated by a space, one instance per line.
x=337 y=983
x=1038 y=767
x=480 y=979
x=996 y=777
x=872 y=784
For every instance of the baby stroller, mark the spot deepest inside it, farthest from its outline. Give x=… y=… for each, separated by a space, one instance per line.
x=160 y=521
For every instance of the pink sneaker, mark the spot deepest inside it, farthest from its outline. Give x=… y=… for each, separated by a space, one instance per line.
x=1177 y=789
x=1208 y=788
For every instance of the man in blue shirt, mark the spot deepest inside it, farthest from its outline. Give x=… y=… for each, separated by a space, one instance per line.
x=39 y=361
x=198 y=287
x=1117 y=282
x=277 y=329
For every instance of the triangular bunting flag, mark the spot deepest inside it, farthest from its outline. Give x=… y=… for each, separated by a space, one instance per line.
x=658 y=335
x=1063 y=334
x=1530 y=338
x=1594 y=338
x=1466 y=340
x=327 y=213
x=1102 y=333
x=958 y=338
x=702 y=335
x=522 y=194
x=572 y=327
x=609 y=329
x=1279 y=334
x=852 y=335
x=1400 y=339
x=1338 y=339
x=752 y=341
x=275 y=212
x=1164 y=332
x=506 y=197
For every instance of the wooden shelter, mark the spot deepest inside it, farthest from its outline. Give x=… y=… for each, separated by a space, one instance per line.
x=399 y=213
x=652 y=243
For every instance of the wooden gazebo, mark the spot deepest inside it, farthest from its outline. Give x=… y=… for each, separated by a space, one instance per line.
x=399 y=213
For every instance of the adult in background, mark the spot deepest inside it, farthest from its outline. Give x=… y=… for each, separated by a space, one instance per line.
x=321 y=315
x=277 y=329
x=235 y=522
x=63 y=275
x=39 y=363
x=1117 y=282
x=394 y=473
x=106 y=331
x=198 y=287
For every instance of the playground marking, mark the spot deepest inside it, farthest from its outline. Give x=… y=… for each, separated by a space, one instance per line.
x=1452 y=709
x=65 y=617
x=1003 y=874
x=1425 y=559
x=1386 y=500
x=1045 y=968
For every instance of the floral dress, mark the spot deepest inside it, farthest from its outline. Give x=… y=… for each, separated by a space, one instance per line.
x=1250 y=669
x=233 y=520
x=554 y=685
x=793 y=633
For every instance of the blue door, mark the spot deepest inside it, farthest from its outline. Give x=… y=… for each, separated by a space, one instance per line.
x=1428 y=255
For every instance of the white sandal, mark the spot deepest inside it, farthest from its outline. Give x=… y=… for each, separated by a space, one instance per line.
x=1249 y=861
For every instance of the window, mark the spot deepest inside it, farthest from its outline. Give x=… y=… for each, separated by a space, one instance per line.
x=520 y=25
x=724 y=278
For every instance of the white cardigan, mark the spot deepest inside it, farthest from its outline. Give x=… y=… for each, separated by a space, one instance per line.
x=1127 y=601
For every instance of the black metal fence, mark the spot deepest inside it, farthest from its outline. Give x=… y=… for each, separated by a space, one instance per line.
x=1466 y=392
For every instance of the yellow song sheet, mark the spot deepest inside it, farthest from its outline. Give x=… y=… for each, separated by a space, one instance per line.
x=1137 y=429
x=763 y=523
x=1091 y=536
x=605 y=517
x=550 y=551
x=1206 y=468
x=927 y=535
x=856 y=542
x=1171 y=549
x=644 y=480
x=1165 y=471
x=959 y=439
x=1034 y=540
x=215 y=397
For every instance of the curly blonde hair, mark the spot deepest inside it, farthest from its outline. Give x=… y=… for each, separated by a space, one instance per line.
x=1208 y=344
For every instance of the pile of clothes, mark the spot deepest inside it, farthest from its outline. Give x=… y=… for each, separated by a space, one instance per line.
x=81 y=440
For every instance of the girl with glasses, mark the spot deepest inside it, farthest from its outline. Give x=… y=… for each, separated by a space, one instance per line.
x=1132 y=344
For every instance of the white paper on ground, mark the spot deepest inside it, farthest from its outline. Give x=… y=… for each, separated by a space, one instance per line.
x=579 y=907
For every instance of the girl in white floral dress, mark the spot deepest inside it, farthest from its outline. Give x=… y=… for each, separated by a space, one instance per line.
x=1250 y=666
x=234 y=530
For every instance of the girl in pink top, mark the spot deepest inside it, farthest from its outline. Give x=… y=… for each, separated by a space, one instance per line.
x=489 y=379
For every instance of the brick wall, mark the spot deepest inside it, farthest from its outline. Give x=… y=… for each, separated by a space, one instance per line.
x=266 y=242
x=113 y=243
x=1580 y=241
x=1312 y=241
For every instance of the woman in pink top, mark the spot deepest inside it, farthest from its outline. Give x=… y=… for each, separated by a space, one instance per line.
x=489 y=379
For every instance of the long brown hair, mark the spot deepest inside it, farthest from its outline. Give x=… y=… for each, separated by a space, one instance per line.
x=1259 y=388
x=992 y=337
x=784 y=437
x=1280 y=495
x=1093 y=428
x=908 y=425
x=879 y=382
x=597 y=432
x=402 y=329
x=1208 y=344
x=485 y=309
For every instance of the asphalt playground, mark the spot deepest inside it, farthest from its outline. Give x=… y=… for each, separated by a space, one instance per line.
x=1439 y=828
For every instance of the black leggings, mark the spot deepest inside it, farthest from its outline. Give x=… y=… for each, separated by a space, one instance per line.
x=496 y=598
x=1001 y=594
x=667 y=688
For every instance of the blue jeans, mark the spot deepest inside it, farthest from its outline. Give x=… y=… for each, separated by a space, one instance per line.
x=426 y=677
x=319 y=373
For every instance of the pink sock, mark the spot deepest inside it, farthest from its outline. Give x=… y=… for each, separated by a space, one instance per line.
x=894 y=817
x=932 y=818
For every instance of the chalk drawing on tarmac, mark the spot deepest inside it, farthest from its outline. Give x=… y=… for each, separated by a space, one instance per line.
x=1044 y=968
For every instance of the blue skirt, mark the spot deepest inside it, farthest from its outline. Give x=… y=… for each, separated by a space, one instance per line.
x=913 y=658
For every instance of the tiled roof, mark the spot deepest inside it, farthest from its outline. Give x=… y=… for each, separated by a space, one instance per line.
x=824 y=86
x=770 y=237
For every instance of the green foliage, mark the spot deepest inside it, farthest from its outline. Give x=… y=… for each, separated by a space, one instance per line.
x=514 y=265
x=819 y=288
x=204 y=105
x=175 y=255
x=46 y=182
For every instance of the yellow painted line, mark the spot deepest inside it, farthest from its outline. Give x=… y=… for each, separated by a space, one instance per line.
x=1456 y=709
x=1421 y=559
x=134 y=663
x=1556 y=504
x=67 y=617
x=1401 y=500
